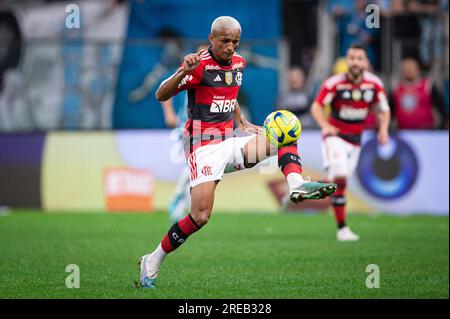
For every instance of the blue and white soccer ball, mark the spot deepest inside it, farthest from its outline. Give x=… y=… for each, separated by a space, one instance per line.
x=282 y=128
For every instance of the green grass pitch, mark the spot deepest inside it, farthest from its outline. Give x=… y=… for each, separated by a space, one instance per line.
x=234 y=256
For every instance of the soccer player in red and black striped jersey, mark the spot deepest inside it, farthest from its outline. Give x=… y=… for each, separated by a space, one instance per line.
x=212 y=79
x=351 y=96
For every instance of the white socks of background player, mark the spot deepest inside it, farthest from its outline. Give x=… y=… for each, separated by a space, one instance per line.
x=294 y=180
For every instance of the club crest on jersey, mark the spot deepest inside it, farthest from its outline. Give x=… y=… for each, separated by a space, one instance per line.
x=368 y=96
x=346 y=95
x=228 y=78
x=239 y=78
x=408 y=102
x=356 y=95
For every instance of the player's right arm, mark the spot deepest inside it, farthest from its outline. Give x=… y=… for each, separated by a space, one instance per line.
x=319 y=116
x=169 y=87
x=325 y=96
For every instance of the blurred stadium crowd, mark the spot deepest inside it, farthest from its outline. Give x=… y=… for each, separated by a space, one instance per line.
x=103 y=75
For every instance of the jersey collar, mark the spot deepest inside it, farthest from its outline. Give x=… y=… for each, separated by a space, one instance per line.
x=218 y=62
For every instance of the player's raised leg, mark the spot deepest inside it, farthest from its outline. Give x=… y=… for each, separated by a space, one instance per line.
x=291 y=166
x=202 y=203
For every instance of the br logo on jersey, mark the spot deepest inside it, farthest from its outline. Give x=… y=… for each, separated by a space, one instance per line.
x=352 y=114
x=206 y=170
x=222 y=106
x=228 y=78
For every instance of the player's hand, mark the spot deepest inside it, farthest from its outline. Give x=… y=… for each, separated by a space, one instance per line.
x=383 y=137
x=252 y=128
x=191 y=61
x=329 y=129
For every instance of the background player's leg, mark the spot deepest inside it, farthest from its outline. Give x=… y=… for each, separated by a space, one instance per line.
x=335 y=158
x=339 y=157
x=338 y=201
x=345 y=232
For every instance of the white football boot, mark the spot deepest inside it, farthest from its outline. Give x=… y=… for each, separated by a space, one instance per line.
x=345 y=234
x=149 y=272
x=312 y=190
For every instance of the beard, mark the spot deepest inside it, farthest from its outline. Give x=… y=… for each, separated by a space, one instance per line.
x=356 y=72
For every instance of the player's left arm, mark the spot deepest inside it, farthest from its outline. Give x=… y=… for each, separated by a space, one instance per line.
x=242 y=122
x=384 y=116
x=383 y=131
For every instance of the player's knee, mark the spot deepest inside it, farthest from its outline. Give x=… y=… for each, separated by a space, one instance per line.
x=201 y=217
x=201 y=213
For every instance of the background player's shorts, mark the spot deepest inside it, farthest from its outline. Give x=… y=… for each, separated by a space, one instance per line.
x=339 y=157
x=210 y=162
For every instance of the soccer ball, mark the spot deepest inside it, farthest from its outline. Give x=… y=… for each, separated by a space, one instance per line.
x=282 y=128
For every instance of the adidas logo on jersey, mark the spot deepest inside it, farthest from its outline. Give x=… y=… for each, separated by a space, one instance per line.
x=217 y=79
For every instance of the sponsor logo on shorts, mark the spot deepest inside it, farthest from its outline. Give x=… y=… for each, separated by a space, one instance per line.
x=222 y=106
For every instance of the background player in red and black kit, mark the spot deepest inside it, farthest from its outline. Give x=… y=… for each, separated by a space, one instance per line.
x=212 y=79
x=351 y=96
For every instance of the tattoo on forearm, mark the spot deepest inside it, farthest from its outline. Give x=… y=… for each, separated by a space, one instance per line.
x=239 y=117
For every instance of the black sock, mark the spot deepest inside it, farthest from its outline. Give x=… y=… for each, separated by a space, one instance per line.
x=341 y=225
